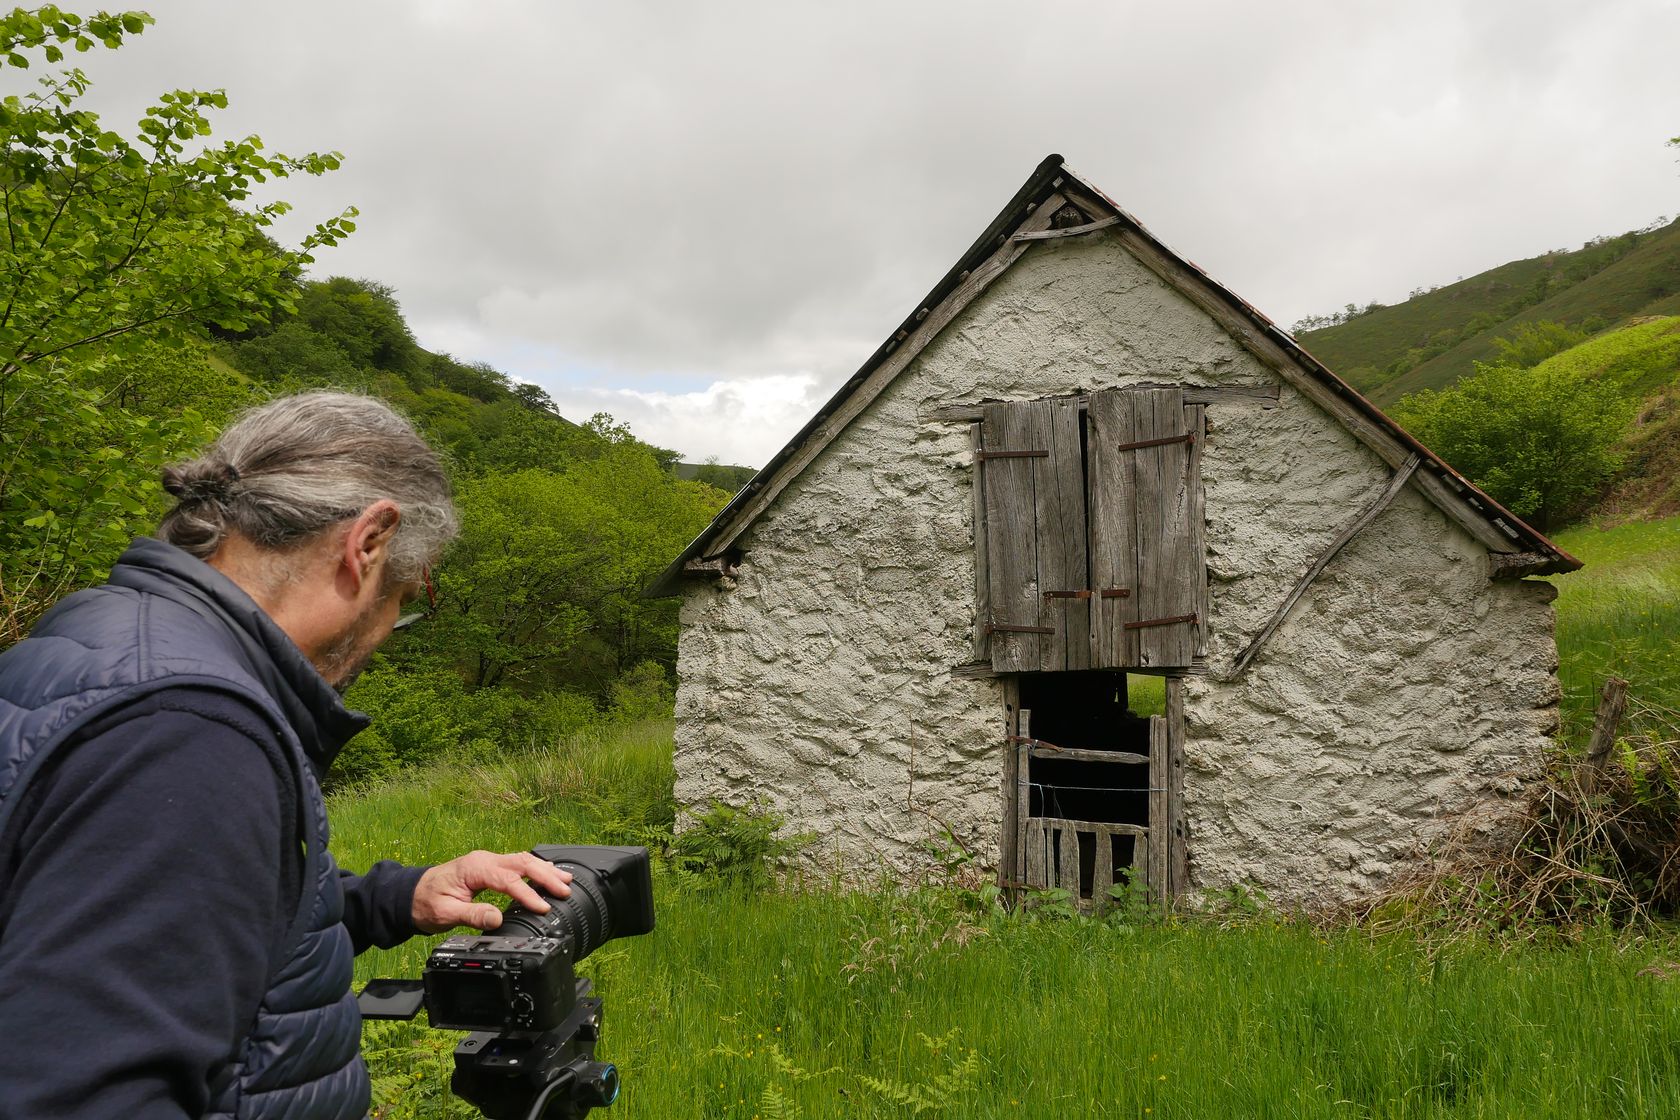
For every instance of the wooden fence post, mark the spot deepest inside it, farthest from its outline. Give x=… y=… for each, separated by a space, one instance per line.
x=1612 y=703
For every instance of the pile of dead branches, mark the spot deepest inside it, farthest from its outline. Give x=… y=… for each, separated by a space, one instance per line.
x=1597 y=843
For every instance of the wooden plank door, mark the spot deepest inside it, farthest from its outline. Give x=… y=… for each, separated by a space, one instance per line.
x=1149 y=563
x=1114 y=555
x=1036 y=571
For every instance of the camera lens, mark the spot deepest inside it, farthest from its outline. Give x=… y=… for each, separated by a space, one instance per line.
x=583 y=918
x=597 y=1084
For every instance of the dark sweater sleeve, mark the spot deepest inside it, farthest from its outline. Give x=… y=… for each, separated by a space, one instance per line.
x=140 y=892
x=379 y=906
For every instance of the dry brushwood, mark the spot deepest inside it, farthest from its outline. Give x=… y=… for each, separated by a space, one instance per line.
x=1596 y=842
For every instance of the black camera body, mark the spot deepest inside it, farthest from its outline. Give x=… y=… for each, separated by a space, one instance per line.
x=533 y=1051
x=487 y=983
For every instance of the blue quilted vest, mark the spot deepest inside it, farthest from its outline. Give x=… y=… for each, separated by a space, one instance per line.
x=164 y=620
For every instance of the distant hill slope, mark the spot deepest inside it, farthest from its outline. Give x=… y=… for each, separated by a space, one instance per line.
x=1434 y=338
x=727 y=478
x=1641 y=361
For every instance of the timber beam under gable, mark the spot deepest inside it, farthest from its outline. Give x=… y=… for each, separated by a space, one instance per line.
x=1262 y=396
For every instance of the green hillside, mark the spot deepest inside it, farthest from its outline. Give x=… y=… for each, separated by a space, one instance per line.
x=1641 y=359
x=725 y=477
x=1644 y=362
x=1434 y=338
x=1557 y=431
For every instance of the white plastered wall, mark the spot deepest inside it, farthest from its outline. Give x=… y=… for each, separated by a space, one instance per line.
x=1405 y=687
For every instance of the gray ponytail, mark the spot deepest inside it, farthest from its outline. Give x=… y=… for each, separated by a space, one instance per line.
x=287 y=470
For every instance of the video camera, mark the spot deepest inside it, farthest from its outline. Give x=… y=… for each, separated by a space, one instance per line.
x=532 y=1053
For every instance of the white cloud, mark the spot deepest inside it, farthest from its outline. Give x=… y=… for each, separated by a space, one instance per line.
x=618 y=198
x=744 y=421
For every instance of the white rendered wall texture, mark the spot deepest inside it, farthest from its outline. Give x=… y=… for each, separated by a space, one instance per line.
x=1405 y=689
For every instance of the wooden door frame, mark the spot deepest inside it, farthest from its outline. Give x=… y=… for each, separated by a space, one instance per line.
x=1167 y=865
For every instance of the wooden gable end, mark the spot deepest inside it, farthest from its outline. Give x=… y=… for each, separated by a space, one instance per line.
x=1054 y=204
x=1089 y=534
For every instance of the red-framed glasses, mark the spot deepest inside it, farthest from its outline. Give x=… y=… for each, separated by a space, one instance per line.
x=412 y=617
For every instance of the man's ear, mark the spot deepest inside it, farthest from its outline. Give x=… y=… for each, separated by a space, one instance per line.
x=367 y=544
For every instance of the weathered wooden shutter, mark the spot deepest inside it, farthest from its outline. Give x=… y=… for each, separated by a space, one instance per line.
x=1148 y=567
x=1038 y=586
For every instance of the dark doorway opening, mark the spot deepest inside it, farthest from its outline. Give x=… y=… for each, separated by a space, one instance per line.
x=1084 y=791
x=1079 y=713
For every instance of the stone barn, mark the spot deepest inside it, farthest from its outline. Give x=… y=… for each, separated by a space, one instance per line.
x=1093 y=566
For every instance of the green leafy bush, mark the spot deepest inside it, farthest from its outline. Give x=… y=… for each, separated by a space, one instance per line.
x=644 y=692
x=1541 y=441
x=295 y=356
x=421 y=713
x=1532 y=343
x=417 y=716
x=80 y=472
x=544 y=586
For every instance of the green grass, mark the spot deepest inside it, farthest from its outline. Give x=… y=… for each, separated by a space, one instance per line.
x=825 y=1003
x=1619 y=616
x=819 y=1002
x=584 y=785
x=1146 y=695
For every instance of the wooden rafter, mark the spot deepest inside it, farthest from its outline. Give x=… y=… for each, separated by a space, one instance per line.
x=1068 y=231
x=1262 y=396
x=1364 y=517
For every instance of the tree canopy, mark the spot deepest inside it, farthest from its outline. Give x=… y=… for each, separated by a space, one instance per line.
x=114 y=241
x=115 y=248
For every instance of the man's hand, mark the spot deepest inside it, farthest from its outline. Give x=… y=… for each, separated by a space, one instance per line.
x=443 y=899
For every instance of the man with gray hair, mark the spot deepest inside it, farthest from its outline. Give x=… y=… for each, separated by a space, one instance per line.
x=175 y=939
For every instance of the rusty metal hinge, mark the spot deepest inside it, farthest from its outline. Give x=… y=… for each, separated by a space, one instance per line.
x=1144 y=624
x=1162 y=442
x=1012 y=454
x=1105 y=593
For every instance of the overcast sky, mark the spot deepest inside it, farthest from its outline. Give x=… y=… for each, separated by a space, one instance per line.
x=701 y=217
